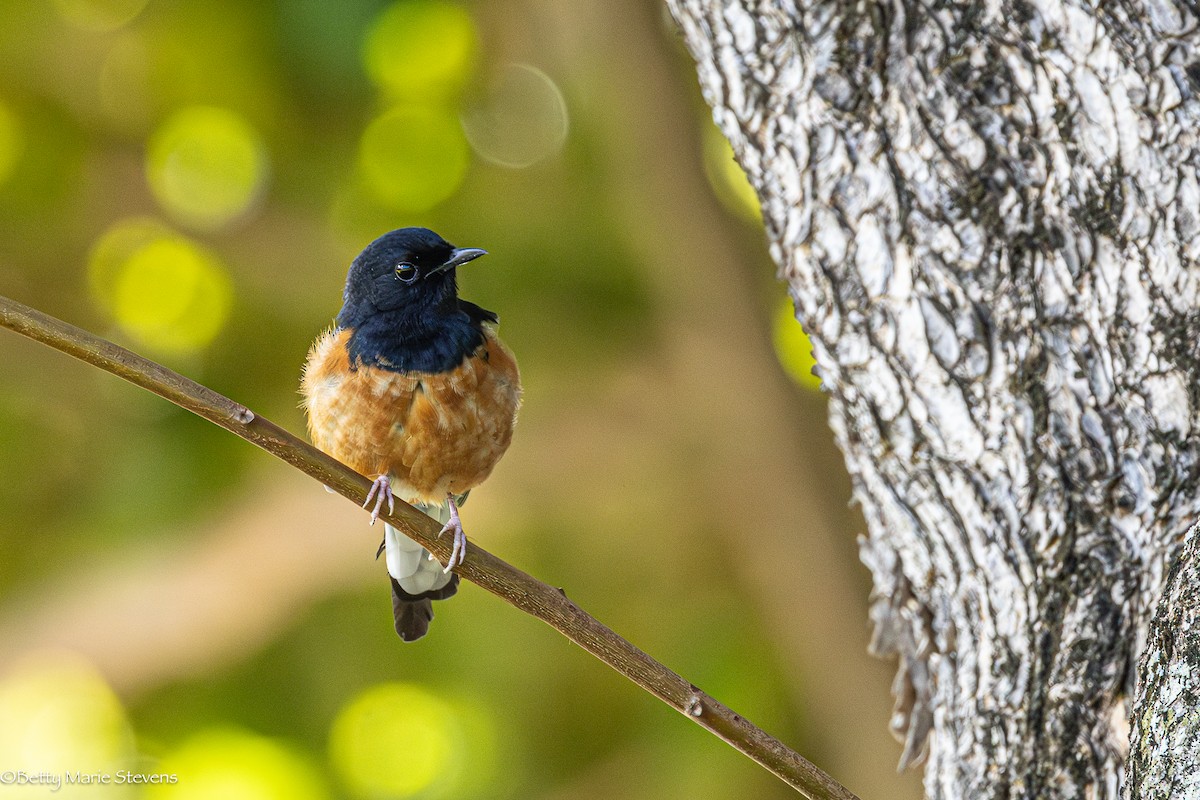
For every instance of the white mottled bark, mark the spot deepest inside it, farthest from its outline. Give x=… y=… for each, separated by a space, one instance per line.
x=1164 y=761
x=988 y=216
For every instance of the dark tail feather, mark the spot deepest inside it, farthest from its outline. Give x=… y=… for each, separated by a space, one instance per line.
x=413 y=613
x=412 y=617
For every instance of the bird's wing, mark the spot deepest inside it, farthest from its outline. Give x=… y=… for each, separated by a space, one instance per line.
x=476 y=313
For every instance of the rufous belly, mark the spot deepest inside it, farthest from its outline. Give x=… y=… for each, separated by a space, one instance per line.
x=433 y=433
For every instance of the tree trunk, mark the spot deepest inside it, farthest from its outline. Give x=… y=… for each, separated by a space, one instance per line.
x=1165 y=758
x=988 y=217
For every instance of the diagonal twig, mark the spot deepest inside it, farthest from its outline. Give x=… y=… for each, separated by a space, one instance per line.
x=519 y=589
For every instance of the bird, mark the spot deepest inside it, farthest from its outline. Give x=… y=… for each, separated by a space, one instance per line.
x=413 y=388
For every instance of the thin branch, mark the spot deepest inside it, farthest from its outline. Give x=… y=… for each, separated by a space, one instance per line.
x=481 y=567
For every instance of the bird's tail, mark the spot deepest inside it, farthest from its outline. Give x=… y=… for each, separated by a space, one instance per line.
x=412 y=613
x=416 y=577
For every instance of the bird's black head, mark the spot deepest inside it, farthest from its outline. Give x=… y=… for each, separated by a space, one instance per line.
x=401 y=302
x=407 y=273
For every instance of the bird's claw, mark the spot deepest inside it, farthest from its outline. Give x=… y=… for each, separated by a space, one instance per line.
x=381 y=489
x=458 y=552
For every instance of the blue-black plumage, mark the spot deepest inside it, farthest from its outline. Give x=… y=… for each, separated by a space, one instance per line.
x=401 y=302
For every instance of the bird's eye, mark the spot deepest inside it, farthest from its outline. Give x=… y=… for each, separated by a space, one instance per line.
x=406 y=272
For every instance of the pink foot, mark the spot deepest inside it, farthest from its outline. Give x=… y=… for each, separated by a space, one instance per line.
x=459 y=551
x=381 y=489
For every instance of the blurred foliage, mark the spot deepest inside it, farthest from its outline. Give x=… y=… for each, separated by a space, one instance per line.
x=10 y=143
x=205 y=166
x=421 y=49
x=233 y=764
x=793 y=348
x=413 y=157
x=99 y=15
x=726 y=177
x=523 y=121
x=191 y=178
x=164 y=290
x=400 y=740
x=59 y=715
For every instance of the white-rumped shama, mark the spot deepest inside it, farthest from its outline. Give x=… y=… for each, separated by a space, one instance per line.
x=412 y=387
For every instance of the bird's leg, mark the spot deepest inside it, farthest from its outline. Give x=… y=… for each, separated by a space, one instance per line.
x=454 y=525
x=381 y=489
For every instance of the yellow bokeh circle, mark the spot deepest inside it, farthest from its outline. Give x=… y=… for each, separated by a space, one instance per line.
x=56 y=714
x=792 y=347
x=236 y=765
x=397 y=740
x=413 y=157
x=206 y=166
x=522 y=121
x=421 y=48
x=161 y=288
x=726 y=177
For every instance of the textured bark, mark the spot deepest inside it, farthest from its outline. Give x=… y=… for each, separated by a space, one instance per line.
x=1164 y=761
x=987 y=214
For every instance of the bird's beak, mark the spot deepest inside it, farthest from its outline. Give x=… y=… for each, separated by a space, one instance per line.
x=460 y=256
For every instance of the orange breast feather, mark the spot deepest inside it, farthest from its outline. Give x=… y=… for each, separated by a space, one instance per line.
x=433 y=433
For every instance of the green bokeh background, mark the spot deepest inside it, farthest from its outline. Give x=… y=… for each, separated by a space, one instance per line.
x=191 y=178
